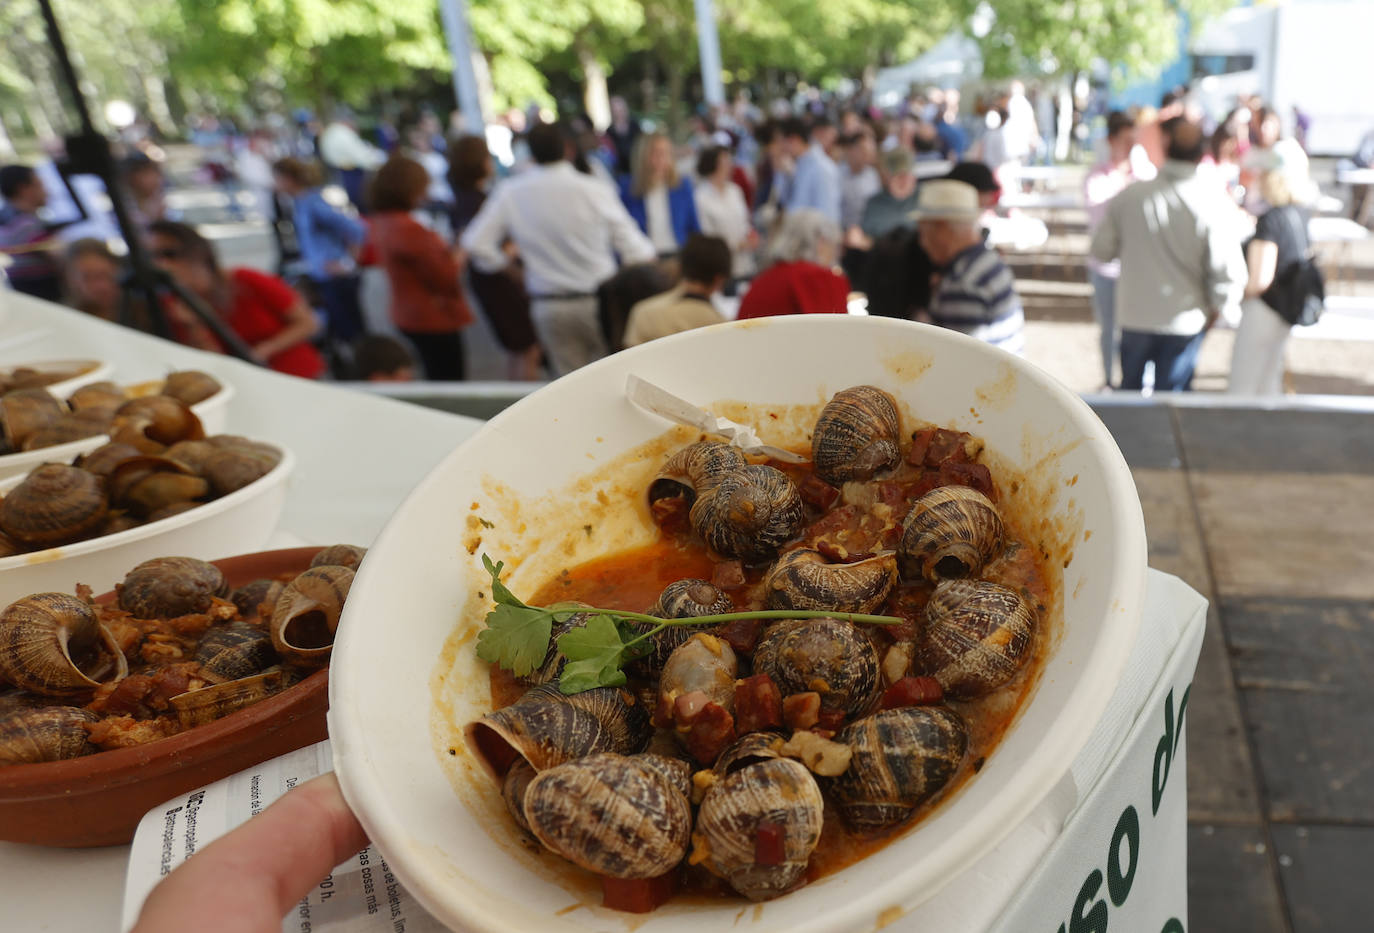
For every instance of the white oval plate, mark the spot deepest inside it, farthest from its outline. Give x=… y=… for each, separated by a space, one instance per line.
x=439 y=820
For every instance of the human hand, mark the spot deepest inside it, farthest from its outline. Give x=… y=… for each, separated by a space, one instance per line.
x=246 y=881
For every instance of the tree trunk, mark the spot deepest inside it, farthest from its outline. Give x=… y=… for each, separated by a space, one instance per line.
x=596 y=96
x=155 y=91
x=6 y=146
x=676 y=79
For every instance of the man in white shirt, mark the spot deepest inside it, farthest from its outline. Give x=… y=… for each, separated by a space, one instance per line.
x=568 y=229
x=343 y=150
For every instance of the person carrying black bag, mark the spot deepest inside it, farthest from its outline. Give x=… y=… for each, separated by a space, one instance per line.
x=1284 y=287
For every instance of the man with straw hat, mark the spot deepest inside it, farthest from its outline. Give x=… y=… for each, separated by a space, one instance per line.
x=976 y=294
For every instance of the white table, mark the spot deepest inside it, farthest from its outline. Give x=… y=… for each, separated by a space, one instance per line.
x=358 y=456
x=1359 y=178
x=1339 y=233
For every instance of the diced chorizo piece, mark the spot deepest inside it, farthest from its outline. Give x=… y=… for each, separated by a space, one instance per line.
x=912 y=691
x=769 y=836
x=831 y=720
x=167 y=683
x=801 y=710
x=671 y=514
x=928 y=481
x=845 y=517
x=708 y=732
x=741 y=634
x=946 y=445
x=128 y=697
x=920 y=443
x=890 y=492
x=817 y=493
x=728 y=575
x=637 y=895
x=974 y=475
x=758 y=704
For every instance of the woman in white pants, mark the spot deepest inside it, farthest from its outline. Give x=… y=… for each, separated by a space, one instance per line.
x=1280 y=242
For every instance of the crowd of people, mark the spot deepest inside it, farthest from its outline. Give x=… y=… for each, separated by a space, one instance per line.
x=573 y=244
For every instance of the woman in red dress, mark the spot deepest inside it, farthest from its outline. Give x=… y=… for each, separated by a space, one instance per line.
x=264 y=311
x=802 y=279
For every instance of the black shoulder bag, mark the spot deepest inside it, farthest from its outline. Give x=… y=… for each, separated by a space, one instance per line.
x=1299 y=292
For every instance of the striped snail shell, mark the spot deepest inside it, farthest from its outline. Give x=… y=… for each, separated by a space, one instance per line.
x=250 y=596
x=780 y=791
x=829 y=656
x=168 y=587
x=190 y=386
x=856 y=436
x=53 y=644
x=340 y=555
x=976 y=637
x=552 y=666
x=306 y=615
x=676 y=771
x=951 y=532
x=513 y=787
x=749 y=513
x=683 y=599
x=547 y=728
x=52 y=733
x=805 y=579
x=610 y=814
x=900 y=758
x=203 y=706
x=55 y=504
x=24 y=411
x=234 y=651
x=694 y=468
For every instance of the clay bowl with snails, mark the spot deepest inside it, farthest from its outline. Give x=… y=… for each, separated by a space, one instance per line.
x=235 y=523
x=211 y=409
x=560 y=478
x=98 y=799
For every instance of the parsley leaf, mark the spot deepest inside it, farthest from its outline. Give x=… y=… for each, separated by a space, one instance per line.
x=516 y=636
x=595 y=652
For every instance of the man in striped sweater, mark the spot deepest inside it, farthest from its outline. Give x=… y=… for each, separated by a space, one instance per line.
x=976 y=294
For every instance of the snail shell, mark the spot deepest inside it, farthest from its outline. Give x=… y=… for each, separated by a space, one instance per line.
x=54 y=505
x=250 y=596
x=622 y=716
x=552 y=666
x=105 y=458
x=703 y=663
x=173 y=508
x=676 y=771
x=746 y=750
x=234 y=651
x=540 y=727
x=951 y=532
x=53 y=644
x=103 y=397
x=203 y=706
x=856 y=436
x=804 y=579
x=66 y=428
x=52 y=733
x=145 y=484
x=161 y=419
x=167 y=587
x=900 y=759
x=829 y=656
x=513 y=787
x=776 y=790
x=695 y=468
x=190 y=386
x=684 y=599
x=25 y=411
x=231 y=468
x=749 y=513
x=306 y=615
x=194 y=455
x=610 y=814
x=976 y=637
x=340 y=555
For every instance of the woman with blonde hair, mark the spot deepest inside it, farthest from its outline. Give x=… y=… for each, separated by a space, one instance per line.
x=1280 y=244
x=658 y=199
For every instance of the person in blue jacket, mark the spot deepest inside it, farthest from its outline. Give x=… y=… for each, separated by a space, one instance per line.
x=658 y=199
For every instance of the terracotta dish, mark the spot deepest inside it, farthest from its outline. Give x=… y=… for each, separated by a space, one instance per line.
x=98 y=800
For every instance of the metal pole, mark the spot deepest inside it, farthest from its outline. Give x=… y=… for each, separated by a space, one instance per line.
x=712 y=87
x=455 y=16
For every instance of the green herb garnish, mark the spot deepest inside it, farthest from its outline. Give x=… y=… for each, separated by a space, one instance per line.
x=517 y=635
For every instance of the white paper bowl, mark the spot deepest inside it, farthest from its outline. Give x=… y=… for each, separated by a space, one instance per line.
x=238 y=523
x=97 y=371
x=213 y=413
x=438 y=819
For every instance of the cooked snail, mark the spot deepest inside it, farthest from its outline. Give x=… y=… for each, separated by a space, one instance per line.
x=25 y=411
x=541 y=727
x=306 y=615
x=234 y=651
x=748 y=513
x=340 y=555
x=685 y=599
x=705 y=664
x=827 y=656
x=52 y=644
x=976 y=637
x=856 y=435
x=694 y=468
x=190 y=386
x=805 y=579
x=53 y=733
x=199 y=707
x=55 y=504
x=951 y=532
x=167 y=587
